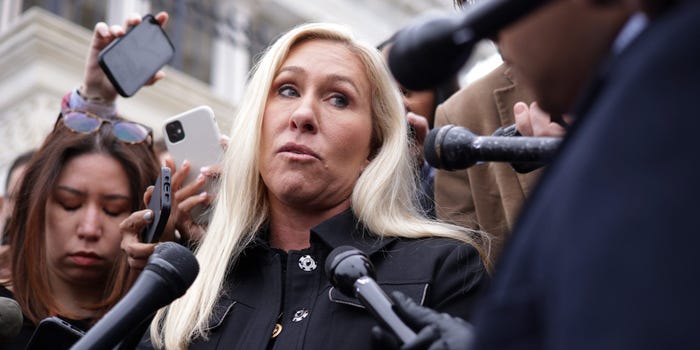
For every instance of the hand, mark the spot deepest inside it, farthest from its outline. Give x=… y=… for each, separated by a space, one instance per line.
x=437 y=331
x=420 y=127
x=187 y=196
x=131 y=228
x=533 y=121
x=96 y=86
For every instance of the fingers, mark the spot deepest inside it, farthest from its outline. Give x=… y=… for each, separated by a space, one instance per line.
x=147 y=194
x=542 y=124
x=162 y=18
x=136 y=222
x=420 y=124
x=533 y=121
x=413 y=314
x=137 y=252
x=426 y=336
x=101 y=31
x=522 y=118
x=225 y=141
x=179 y=175
x=156 y=77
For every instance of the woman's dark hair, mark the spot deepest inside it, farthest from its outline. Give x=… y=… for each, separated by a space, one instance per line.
x=30 y=280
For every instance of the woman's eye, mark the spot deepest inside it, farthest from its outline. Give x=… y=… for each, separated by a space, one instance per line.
x=70 y=206
x=113 y=213
x=288 y=91
x=116 y=209
x=339 y=101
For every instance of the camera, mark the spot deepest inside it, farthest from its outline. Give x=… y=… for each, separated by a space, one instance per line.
x=174 y=131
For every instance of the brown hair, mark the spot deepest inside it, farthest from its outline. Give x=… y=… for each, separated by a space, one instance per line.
x=26 y=227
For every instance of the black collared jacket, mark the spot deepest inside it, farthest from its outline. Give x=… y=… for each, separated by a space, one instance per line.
x=443 y=274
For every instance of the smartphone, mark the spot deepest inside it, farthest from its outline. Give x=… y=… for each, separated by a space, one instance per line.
x=131 y=60
x=54 y=333
x=194 y=135
x=160 y=205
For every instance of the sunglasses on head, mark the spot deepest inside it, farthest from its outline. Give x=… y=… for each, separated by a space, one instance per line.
x=87 y=123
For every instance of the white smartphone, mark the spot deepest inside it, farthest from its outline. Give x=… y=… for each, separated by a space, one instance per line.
x=194 y=136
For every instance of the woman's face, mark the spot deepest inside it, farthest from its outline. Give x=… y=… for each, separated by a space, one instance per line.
x=317 y=127
x=89 y=201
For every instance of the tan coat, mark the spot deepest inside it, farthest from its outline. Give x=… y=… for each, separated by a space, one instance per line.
x=487 y=196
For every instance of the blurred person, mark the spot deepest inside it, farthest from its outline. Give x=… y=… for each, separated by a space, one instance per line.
x=321 y=159
x=420 y=112
x=89 y=174
x=603 y=257
x=14 y=176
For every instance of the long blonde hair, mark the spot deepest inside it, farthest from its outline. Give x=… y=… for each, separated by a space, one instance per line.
x=384 y=197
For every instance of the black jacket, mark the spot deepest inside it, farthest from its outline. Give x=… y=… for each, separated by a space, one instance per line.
x=270 y=286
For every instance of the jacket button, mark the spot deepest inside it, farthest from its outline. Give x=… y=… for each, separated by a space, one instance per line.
x=300 y=315
x=307 y=263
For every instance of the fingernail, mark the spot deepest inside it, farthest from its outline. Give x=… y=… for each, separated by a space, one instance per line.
x=203 y=194
x=185 y=163
x=204 y=170
x=148 y=215
x=519 y=108
x=200 y=177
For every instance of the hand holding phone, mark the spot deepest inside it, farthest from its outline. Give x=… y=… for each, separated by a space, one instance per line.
x=131 y=60
x=160 y=205
x=194 y=136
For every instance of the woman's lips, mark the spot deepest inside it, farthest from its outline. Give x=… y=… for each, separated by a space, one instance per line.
x=298 y=150
x=85 y=258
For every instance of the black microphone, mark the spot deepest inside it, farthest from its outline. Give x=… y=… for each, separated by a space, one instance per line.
x=352 y=273
x=170 y=271
x=454 y=147
x=432 y=50
x=10 y=319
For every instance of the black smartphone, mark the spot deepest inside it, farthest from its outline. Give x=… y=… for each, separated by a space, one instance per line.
x=160 y=205
x=54 y=333
x=131 y=60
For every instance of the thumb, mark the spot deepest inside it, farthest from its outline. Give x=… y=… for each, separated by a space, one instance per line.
x=413 y=314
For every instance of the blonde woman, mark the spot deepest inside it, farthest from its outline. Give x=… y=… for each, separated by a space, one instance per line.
x=318 y=158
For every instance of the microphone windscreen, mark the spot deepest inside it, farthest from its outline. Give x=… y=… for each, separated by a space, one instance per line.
x=176 y=264
x=10 y=319
x=344 y=265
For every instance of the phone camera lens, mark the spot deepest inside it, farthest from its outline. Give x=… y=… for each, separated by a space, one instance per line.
x=175 y=131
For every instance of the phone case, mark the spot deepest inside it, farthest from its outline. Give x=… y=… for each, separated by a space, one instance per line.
x=130 y=61
x=54 y=333
x=194 y=135
x=160 y=205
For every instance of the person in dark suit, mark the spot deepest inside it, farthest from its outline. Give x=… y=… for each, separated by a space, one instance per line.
x=603 y=255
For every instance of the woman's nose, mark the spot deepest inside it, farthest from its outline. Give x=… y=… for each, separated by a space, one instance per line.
x=303 y=117
x=90 y=226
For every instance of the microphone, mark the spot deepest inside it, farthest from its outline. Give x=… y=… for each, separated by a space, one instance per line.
x=430 y=51
x=11 y=319
x=352 y=273
x=454 y=147
x=170 y=271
